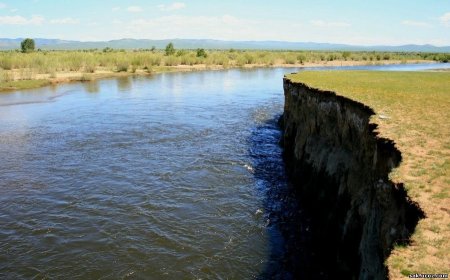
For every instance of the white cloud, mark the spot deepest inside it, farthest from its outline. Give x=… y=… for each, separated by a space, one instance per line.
x=224 y=27
x=173 y=23
x=445 y=19
x=134 y=9
x=2 y=5
x=20 y=20
x=13 y=10
x=172 y=7
x=67 y=20
x=115 y=9
x=416 y=23
x=322 y=23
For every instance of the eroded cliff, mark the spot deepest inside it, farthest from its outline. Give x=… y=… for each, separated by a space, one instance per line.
x=340 y=167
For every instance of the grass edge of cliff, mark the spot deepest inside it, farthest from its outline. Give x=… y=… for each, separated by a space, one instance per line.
x=411 y=108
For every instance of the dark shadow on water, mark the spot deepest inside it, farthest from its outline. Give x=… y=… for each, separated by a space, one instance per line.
x=124 y=83
x=291 y=254
x=91 y=86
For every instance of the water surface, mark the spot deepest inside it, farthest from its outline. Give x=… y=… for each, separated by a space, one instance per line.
x=140 y=177
x=175 y=176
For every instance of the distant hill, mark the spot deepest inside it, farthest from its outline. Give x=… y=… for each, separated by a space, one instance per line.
x=56 y=44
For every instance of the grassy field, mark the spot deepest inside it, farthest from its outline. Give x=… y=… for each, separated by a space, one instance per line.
x=416 y=109
x=16 y=67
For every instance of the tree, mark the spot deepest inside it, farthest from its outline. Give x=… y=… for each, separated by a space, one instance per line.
x=27 y=45
x=201 y=53
x=346 y=55
x=170 y=50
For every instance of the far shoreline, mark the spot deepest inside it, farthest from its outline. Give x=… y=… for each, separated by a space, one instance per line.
x=42 y=80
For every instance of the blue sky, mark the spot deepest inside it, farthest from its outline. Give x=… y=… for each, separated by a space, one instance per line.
x=361 y=22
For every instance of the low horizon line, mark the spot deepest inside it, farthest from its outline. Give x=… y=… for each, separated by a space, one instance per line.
x=226 y=40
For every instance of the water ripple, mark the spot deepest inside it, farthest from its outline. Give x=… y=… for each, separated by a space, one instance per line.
x=136 y=181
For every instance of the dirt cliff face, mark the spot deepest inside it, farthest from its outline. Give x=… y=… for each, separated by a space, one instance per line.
x=340 y=168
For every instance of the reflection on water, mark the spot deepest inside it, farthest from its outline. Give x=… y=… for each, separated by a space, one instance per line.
x=91 y=86
x=124 y=83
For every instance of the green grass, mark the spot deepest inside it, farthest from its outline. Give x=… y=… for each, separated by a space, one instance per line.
x=406 y=272
x=23 y=84
x=417 y=105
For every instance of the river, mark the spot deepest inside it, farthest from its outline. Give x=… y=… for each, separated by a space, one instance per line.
x=174 y=176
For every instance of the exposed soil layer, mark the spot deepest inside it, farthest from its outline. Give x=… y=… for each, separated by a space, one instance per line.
x=340 y=168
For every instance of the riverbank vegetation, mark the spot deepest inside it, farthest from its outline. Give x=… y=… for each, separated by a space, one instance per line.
x=16 y=66
x=412 y=109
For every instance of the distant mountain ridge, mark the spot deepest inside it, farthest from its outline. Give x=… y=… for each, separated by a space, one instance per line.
x=57 y=44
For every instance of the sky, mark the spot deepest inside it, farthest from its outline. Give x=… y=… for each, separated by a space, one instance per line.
x=357 y=22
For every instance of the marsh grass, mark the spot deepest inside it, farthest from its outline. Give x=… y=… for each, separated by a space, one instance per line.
x=85 y=78
x=5 y=76
x=122 y=65
x=417 y=104
x=172 y=60
x=90 y=61
x=24 y=84
x=53 y=64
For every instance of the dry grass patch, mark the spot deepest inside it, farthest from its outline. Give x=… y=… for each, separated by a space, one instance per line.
x=413 y=109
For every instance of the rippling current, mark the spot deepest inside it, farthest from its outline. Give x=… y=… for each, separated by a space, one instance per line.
x=138 y=177
x=175 y=176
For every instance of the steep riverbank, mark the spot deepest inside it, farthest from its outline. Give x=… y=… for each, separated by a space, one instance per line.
x=341 y=168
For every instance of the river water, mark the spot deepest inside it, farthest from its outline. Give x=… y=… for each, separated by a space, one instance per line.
x=174 y=176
